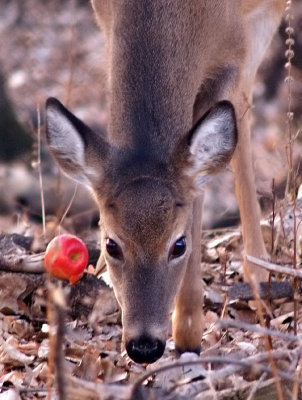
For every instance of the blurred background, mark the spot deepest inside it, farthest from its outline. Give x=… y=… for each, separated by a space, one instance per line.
x=54 y=48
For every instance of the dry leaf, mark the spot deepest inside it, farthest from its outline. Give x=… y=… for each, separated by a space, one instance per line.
x=12 y=286
x=10 y=394
x=11 y=355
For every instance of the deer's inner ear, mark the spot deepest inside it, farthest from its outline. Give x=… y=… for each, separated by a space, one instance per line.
x=212 y=141
x=73 y=144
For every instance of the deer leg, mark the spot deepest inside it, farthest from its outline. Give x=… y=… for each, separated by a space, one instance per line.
x=187 y=316
x=247 y=201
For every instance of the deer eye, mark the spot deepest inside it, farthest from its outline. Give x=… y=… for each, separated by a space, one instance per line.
x=113 y=249
x=178 y=248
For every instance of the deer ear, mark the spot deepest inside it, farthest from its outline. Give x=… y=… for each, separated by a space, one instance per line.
x=73 y=144
x=212 y=142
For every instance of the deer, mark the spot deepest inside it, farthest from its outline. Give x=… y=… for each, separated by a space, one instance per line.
x=180 y=83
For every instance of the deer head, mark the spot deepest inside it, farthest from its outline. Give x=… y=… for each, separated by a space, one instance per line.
x=145 y=203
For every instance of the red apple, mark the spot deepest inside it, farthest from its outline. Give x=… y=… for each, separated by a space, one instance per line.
x=66 y=257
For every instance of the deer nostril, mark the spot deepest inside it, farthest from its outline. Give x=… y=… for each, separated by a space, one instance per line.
x=145 y=349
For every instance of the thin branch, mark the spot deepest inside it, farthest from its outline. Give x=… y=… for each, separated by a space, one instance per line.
x=234 y=365
x=256 y=386
x=274 y=268
x=298 y=375
x=230 y=323
x=69 y=204
x=259 y=307
x=57 y=308
x=40 y=172
x=33 y=263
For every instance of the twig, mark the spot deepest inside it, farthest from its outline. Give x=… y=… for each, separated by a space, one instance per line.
x=50 y=319
x=230 y=323
x=268 y=342
x=69 y=204
x=291 y=181
x=273 y=219
x=40 y=172
x=273 y=234
x=33 y=263
x=297 y=377
x=58 y=305
x=256 y=386
x=235 y=365
x=275 y=268
x=212 y=388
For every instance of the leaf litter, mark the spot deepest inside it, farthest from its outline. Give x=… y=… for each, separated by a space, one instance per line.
x=236 y=361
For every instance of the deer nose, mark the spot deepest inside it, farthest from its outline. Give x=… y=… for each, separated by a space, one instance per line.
x=145 y=349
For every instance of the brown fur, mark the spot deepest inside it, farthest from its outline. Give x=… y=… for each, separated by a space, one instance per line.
x=148 y=68
x=169 y=62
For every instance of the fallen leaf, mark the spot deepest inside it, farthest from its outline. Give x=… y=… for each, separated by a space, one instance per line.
x=11 y=355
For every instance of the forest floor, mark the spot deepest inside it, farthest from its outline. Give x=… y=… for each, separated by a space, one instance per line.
x=62 y=341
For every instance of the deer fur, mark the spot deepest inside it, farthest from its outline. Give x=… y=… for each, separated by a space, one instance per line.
x=180 y=81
